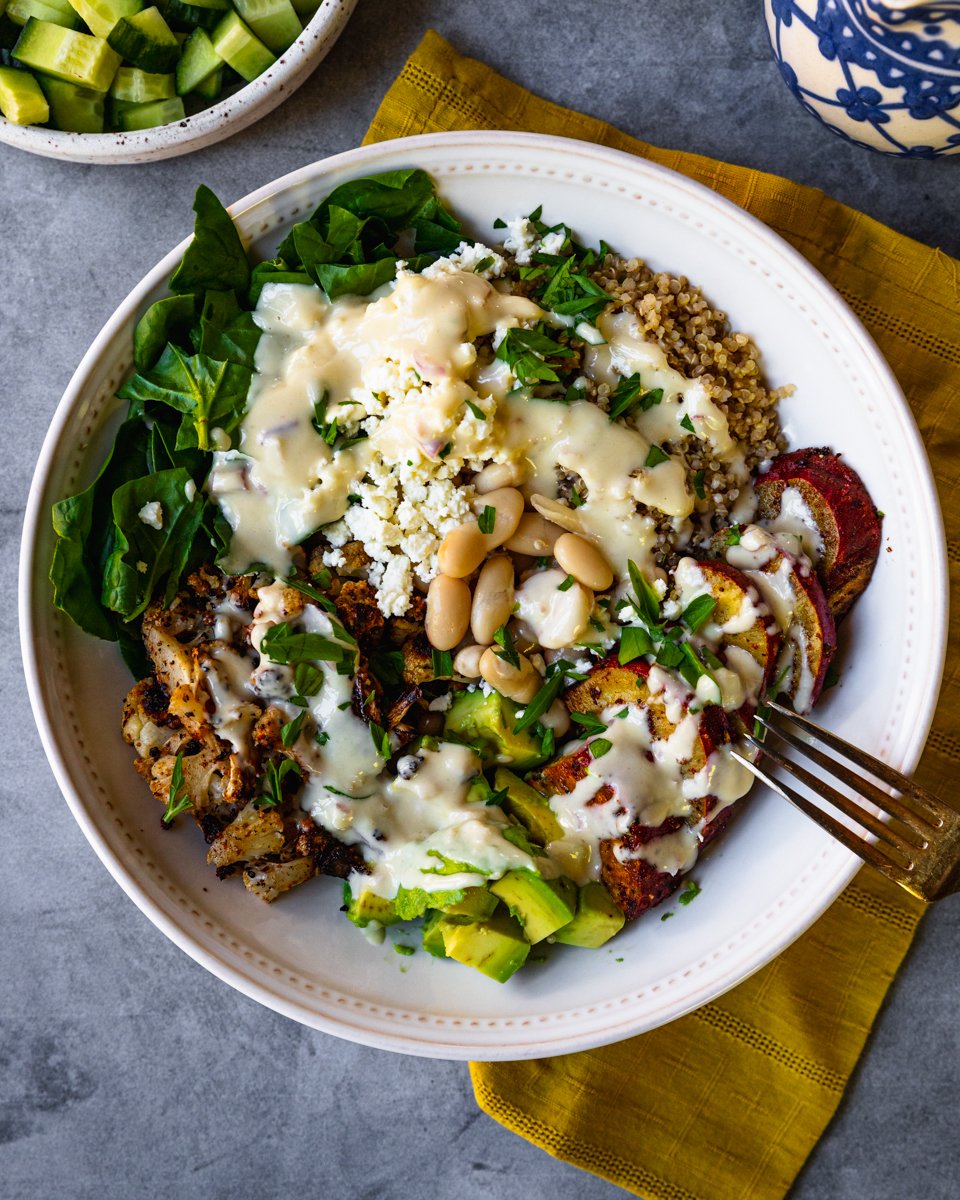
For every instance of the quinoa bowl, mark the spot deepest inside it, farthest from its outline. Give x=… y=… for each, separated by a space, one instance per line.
x=789 y=870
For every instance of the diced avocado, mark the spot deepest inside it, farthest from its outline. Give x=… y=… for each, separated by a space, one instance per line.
x=530 y=808
x=597 y=919
x=541 y=906
x=487 y=722
x=477 y=904
x=367 y=907
x=496 y=947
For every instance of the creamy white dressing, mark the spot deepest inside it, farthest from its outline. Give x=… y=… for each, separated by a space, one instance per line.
x=552 y=617
x=399 y=367
x=228 y=676
x=651 y=780
x=415 y=831
x=796 y=521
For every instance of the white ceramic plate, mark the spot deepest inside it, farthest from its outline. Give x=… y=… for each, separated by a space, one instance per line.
x=228 y=116
x=769 y=878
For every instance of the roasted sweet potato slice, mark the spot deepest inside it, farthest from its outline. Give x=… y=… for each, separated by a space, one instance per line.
x=741 y=619
x=799 y=605
x=816 y=487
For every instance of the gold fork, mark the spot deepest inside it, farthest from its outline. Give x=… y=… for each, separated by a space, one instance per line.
x=919 y=849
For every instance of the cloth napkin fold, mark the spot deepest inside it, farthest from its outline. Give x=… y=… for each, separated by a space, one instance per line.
x=726 y=1103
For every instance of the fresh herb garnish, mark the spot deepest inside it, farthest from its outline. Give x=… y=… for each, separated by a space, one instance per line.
x=476 y=410
x=656 y=456
x=381 y=740
x=178 y=798
x=400 y=948
x=698 y=612
x=634 y=643
x=321 y=737
x=556 y=674
x=690 y=892
x=442 y=664
x=290 y=732
x=566 y=585
x=487 y=519
x=599 y=747
x=445 y=450
x=484 y=264
x=276 y=773
x=589 y=722
x=507 y=651
x=687 y=424
x=283 y=644
x=732 y=537
x=528 y=354
x=630 y=397
x=698 y=488
x=328 y=787
x=576 y=500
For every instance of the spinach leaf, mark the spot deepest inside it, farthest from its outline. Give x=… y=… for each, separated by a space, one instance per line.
x=225 y=332
x=272 y=272
x=168 y=320
x=395 y=198
x=206 y=390
x=215 y=260
x=357 y=279
x=144 y=556
x=83 y=526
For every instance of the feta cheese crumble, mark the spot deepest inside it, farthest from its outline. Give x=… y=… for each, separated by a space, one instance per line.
x=152 y=514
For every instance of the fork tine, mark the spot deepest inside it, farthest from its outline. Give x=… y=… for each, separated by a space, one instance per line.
x=864 y=850
x=907 y=816
x=844 y=803
x=875 y=766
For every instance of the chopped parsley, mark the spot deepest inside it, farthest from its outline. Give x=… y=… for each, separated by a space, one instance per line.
x=442 y=664
x=566 y=585
x=381 y=740
x=178 y=798
x=507 y=651
x=687 y=424
x=290 y=732
x=630 y=398
x=276 y=773
x=732 y=536
x=690 y=892
x=476 y=410
x=487 y=519
x=698 y=612
x=400 y=948
x=529 y=354
x=634 y=643
x=698 y=488
x=656 y=456
x=589 y=722
x=599 y=747
x=556 y=675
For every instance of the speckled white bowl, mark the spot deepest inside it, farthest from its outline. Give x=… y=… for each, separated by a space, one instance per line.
x=775 y=871
x=228 y=116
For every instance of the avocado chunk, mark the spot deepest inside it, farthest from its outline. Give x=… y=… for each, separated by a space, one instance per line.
x=496 y=947
x=530 y=808
x=477 y=904
x=487 y=721
x=597 y=919
x=367 y=907
x=541 y=906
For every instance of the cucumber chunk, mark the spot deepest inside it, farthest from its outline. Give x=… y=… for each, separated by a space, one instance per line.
x=75 y=57
x=197 y=16
x=237 y=46
x=305 y=9
x=100 y=16
x=198 y=62
x=21 y=100
x=57 y=12
x=140 y=87
x=211 y=87
x=132 y=117
x=72 y=108
x=275 y=22
x=146 y=41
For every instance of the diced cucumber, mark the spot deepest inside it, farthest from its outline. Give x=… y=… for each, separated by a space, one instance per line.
x=274 y=22
x=146 y=41
x=198 y=62
x=237 y=46
x=197 y=16
x=211 y=87
x=305 y=9
x=72 y=108
x=147 y=116
x=3 y=7
x=57 y=12
x=140 y=87
x=100 y=16
x=21 y=100
x=64 y=54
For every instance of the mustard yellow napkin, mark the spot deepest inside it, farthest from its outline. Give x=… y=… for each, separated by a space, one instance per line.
x=729 y=1101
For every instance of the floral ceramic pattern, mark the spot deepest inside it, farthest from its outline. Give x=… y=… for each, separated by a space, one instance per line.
x=882 y=77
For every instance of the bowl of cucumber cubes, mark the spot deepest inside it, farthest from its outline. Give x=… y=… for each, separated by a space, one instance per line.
x=121 y=81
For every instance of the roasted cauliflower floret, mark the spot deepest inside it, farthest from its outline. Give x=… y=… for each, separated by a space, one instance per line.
x=268 y=880
x=254 y=833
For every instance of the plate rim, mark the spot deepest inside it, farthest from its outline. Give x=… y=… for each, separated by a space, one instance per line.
x=842 y=865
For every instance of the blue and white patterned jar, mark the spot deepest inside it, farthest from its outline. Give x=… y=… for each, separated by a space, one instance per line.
x=882 y=75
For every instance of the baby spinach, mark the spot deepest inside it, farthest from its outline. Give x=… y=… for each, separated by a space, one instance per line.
x=207 y=391
x=168 y=320
x=225 y=331
x=215 y=260
x=143 y=556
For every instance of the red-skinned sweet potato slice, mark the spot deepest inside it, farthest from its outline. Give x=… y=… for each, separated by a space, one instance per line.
x=841 y=508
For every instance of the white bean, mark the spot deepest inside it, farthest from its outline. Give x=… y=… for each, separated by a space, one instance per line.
x=448 y=612
x=534 y=535
x=519 y=684
x=557 y=718
x=583 y=561
x=499 y=475
x=467 y=662
x=462 y=551
x=555 y=612
x=558 y=513
x=507 y=504
x=492 y=598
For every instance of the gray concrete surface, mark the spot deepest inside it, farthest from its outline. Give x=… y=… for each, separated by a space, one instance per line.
x=126 y=1070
